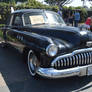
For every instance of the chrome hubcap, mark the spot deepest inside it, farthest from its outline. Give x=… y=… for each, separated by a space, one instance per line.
x=32 y=63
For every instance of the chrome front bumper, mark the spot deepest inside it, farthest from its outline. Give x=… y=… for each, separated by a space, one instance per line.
x=53 y=73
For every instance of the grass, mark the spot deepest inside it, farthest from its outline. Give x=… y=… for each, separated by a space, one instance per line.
x=2 y=25
x=1 y=33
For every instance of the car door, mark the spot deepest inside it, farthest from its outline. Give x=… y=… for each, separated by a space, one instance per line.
x=14 y=33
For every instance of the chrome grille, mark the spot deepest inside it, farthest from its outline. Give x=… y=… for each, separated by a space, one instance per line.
x=76 y=58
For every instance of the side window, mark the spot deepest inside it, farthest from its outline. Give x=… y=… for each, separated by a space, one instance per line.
x=17 y=21
x=8 y=21
x=26 y=18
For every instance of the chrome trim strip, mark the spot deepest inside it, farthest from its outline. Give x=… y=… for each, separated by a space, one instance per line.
x=67 y=61
x=58 y=63
x=76 y=59
x=79 y=59
x=90 y=56
x=53 y=73
x=71 y=61
x=64 y=62
x=82 y=58
x=85 y=58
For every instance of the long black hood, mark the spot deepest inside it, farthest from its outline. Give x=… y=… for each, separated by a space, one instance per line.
x=68 y=34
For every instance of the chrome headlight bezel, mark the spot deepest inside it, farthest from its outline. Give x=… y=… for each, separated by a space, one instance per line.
x=51 y=50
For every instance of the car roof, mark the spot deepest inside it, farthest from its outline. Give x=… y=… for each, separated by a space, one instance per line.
x=28 y=10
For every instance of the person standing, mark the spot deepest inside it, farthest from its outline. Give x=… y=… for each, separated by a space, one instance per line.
x=76 y=18
x=71 y=17
x=66 y=16
x=88 y=23
x=60 y=12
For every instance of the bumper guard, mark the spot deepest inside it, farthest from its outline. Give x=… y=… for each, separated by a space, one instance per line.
x=53 y=73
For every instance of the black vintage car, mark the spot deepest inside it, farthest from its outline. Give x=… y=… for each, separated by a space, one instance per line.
x=52 y=49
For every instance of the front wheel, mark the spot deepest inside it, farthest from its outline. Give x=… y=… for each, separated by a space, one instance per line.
x=32 y=63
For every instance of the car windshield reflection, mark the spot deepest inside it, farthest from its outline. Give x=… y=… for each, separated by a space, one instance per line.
x=50 y=18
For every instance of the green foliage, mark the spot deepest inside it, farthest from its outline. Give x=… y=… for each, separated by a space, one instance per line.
x=1 y=34
x=4 y=12
x=5 y=9
x=35 y=5
x=71 y=8
x=83 y=14
x=91 y=8
x=8 y=1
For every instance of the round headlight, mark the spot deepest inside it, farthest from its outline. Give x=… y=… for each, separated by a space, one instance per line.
x=51 y=50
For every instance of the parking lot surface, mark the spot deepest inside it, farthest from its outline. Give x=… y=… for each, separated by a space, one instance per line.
x=15 y=77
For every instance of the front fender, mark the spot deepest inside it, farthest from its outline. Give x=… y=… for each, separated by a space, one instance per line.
x=36 y=41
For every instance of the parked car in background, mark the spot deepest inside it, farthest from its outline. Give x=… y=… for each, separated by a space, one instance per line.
x=52 y=49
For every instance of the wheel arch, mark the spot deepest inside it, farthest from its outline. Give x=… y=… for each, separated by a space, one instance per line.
x=26 y=51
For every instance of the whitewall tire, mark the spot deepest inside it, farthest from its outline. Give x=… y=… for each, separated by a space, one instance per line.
x=32 y=63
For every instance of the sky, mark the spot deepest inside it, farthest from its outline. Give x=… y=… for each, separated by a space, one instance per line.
x=75 y=3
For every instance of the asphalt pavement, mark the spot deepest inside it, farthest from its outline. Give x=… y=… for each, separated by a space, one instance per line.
x=15 y=77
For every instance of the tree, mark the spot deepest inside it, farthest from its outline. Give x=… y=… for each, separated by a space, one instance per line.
x=7 y=1
x=84 y=2
x=60 y=3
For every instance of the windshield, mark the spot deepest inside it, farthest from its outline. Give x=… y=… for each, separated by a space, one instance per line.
x=54 y=18
x=42 y=18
